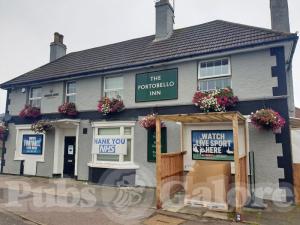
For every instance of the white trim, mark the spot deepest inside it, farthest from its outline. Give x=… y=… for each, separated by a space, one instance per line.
x=113 y=124
x=35 y=98
x=115 y=89
x=70 y=94
x=19 y=141
x=113 y=165
x=76 y=150
x=213 y=60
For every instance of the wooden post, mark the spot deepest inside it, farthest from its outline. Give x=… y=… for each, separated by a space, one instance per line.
x=247 y=152
x=158 y=164
x=235 y=126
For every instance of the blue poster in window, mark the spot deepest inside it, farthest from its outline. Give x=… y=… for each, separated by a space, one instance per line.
x=215 y=145
x=32 y=144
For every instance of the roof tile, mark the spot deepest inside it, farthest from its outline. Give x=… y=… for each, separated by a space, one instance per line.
x=202 y=39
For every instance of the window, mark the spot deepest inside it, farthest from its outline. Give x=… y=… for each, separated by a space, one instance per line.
x=35 y=97
x=214 y=74
x=71 y=92
x=125 y=131
x=113 y=87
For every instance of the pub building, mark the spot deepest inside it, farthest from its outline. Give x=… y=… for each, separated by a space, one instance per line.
x=93 y=115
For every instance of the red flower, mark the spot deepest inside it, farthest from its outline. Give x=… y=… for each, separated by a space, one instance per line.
x=30 y=112
x=268 y=119
x=224 y=100
x=107 y=106
x=68 y=108
x=149 y=122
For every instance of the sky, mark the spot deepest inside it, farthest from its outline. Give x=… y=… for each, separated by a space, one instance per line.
x=27 y=26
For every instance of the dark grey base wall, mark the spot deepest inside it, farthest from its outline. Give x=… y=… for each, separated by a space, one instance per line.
x=112 y=177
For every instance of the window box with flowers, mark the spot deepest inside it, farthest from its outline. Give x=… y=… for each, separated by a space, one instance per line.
x=220 y=100
x=30 y=112
x=41 y=126
x=268 y=119
x=108 y=106
x=68 y=109
x=3 y=133
x=149 y=123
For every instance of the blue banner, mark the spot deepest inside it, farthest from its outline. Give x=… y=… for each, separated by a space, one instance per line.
x=215 y=145
x=32 y=144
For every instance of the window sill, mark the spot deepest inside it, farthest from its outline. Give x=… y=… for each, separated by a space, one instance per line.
x=118 y=166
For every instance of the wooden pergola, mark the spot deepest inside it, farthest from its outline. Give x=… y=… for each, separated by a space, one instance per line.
x=240 y=161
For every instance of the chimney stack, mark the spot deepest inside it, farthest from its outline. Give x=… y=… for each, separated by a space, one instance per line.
x=57 y=47
x=280 y=15
x=164 y=20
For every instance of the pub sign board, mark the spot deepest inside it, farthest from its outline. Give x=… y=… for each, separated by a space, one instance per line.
x=214 y=145
x=151 y=155
x=32 y=144
x=156 y=86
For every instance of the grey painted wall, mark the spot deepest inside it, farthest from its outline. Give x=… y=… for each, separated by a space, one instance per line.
x=17 y=101
x=252 y=76
x=89 y=92
x=51 y=104
x=266 y=151
x=11 y=166
x=85 y=142
x=251 y=79
x=45 y=169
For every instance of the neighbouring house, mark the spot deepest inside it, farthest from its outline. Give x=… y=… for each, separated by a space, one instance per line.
x=154 y=74
x=297 y=112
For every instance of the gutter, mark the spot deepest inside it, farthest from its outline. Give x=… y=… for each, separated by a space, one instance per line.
x=292 y=53
x=154 y=63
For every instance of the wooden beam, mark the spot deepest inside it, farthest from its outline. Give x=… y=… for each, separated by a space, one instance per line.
x=246 y=134
x=158 y=165
x=235 y=126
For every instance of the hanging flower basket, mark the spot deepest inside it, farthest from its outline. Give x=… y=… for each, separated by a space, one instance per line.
x=42 y=126
x=149 y=122
x=30 y=112
x=68 y=108
x=267 y=119
x=220 y=100
x=3 y=133
x=107 y=106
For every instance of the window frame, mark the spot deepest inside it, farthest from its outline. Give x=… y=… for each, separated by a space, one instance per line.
x=116 y=89
x=214 y=76
x=121 y=125
x=30 y=99
x=70 y=94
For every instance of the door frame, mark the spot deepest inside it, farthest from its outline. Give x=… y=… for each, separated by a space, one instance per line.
x=60 y=127
x=64 y=152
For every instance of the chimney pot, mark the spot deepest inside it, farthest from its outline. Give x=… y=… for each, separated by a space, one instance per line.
x=164 y=20
x=57 y=47
x=280 y=15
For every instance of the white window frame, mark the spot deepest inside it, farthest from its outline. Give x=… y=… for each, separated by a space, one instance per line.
x=214 y=77
x=121 y=164
x=70 y=94
x=116 y=89
x=34 y=98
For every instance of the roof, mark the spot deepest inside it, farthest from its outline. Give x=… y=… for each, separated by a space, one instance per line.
x=297 y=113
x=208 y=38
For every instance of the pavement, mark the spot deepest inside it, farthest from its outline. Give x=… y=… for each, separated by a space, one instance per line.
x=42 y=201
